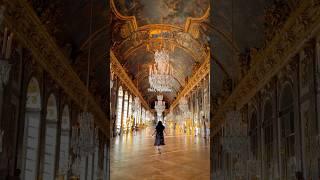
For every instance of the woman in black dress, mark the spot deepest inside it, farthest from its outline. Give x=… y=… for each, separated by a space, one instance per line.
x=159 y=141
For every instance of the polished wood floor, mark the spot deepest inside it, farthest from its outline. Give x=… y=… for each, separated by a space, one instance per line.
x=184 y=157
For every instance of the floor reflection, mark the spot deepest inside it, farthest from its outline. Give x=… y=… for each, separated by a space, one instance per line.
x=184 y=157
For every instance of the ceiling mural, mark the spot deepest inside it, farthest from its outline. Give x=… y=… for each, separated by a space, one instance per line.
x=141 y=27
x=173 y=12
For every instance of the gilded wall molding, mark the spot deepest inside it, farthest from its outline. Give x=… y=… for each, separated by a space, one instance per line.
x=27 y=27
x=120 y=72
x=176 y=37
x=299 y=28
x=196 y=78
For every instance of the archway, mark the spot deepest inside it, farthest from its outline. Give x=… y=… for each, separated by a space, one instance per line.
x=50 y=142
x=31 y=136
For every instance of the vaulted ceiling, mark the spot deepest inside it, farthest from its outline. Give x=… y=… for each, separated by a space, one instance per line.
x=226 y=29
x=170 y=18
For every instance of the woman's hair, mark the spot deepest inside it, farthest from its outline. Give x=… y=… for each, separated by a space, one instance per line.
x=159 y=126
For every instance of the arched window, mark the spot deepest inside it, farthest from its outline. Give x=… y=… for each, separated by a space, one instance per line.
x=64 y=142
x=130 y=109
x=253 y=133
x=287 y=129
x=125 y=111
x=48 y=172
x=31 y=131
x=119 y=108
x=268 y=137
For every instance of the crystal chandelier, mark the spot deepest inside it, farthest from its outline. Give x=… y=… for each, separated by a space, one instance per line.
x=160 y=105
x=84 y=139
x=183 y=106
x=235 y=137
x=160 y=74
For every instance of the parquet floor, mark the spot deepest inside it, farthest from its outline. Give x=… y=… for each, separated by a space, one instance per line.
x=133 y=157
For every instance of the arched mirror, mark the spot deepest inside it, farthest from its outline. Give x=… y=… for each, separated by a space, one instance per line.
x=50 y=144
x=31 y=131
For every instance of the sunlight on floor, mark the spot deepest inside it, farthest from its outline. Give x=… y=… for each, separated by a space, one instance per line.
x=184 y=157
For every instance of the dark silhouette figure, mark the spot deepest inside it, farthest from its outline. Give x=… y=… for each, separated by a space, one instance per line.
x=159 y=140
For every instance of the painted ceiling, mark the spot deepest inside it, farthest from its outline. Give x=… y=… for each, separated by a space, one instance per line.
x=162 y=11
x=185 y=55
x=231 y=28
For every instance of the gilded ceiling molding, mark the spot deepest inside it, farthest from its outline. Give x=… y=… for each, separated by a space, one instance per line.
x=131 y=19
x=191 y=20
x=26 y=25
x=300 y=27
x=120 y=72
x=197 y=77
x=180 y=39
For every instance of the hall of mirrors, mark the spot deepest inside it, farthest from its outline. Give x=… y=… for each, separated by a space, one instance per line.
x=161 y=89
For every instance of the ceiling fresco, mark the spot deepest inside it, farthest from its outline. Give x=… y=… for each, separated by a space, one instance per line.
x=157 y=23
x=173 y=12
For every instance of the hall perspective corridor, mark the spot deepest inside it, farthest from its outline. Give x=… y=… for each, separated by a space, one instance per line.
x=184 y=157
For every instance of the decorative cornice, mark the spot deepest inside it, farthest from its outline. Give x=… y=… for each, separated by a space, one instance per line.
x=191 y=20
x=198 y=76
x=131 y=19
x=301 y=26
x=177 y=38
x=119 y=71
x=27 y=27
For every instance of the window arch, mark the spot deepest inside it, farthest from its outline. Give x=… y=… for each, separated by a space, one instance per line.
x=130 y=111
x=268 y=136
x=31 y=130
x=48 y=172
x=119 y=109
x=125 y=111
x=64 y=141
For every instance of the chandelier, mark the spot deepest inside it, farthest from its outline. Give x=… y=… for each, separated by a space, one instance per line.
x=235 y=137
x=84 y=138
x=160 y=74
x=184 y=108
x=160 y=105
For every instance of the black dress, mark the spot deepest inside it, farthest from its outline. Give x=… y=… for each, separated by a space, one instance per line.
x=159 y=141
